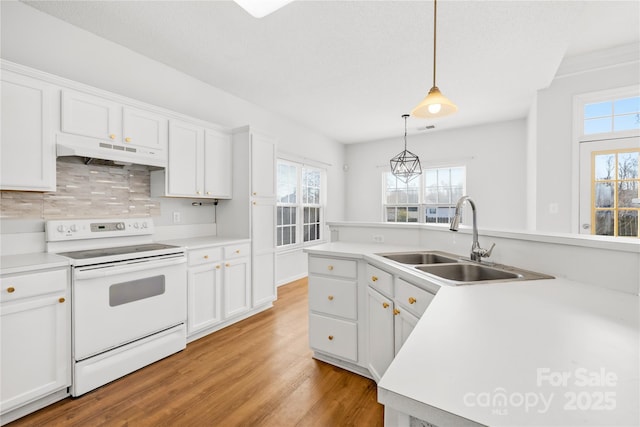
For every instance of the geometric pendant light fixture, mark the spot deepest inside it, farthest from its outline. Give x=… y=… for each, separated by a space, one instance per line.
x=406 y=165
x=435 y=104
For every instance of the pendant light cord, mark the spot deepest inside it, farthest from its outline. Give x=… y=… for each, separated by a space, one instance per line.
x=435 y=7
x=405 y=131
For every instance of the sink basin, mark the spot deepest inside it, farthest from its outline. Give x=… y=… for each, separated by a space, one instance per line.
x=419 y=258
x=468 y=272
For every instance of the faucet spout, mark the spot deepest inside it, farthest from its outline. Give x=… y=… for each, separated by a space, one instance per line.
x=477 y=253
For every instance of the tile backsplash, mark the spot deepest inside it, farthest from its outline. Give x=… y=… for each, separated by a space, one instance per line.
x=95 y=190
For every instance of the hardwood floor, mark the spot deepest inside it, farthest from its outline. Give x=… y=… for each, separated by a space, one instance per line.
x=258 y=372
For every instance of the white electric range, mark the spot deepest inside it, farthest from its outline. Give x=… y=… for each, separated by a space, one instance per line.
x=128 y=296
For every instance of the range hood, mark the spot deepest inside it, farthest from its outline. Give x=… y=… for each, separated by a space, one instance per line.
x=73 y=145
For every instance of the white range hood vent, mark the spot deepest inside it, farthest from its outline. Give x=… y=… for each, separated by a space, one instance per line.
x=72 y=145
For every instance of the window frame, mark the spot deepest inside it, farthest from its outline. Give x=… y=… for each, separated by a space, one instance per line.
x=300 y=204
x=422 y=205
x=578 y=137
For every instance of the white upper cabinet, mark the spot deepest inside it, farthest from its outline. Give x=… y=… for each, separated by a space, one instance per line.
x=144 y=128
x=100 y=118
x=27 y=139
x=88 y=115
x=263 y=166
x=217 y=164
x=199 y=166
x=184 y=175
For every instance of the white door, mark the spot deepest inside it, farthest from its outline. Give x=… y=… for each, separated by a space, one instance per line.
x=144 y=129
x=28 y=147
x=204 y=286
x=381 y=344
x=404 y=324
x=263 y=250
x=237 y=291
x=217 y=164
x=609 y=187
x=184 y=170
x=35 y=348
x=263 y=166
x=88 y=115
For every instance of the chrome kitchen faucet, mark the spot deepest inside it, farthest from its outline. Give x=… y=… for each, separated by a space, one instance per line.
x=477 y=253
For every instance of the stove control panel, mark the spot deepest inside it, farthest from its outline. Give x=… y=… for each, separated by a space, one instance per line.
x=61 y=230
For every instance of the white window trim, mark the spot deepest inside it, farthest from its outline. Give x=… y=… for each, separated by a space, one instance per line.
x=578 y=136
x=300 y=206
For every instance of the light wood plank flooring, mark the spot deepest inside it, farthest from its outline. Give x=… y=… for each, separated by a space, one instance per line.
x=258 y=372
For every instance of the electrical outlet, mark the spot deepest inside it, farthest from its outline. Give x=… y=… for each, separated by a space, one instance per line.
x=378 y=238
x=176 y=217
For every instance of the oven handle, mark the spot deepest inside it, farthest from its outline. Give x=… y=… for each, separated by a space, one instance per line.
x=80 y=274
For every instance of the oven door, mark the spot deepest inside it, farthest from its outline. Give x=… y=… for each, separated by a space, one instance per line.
x=120 y=303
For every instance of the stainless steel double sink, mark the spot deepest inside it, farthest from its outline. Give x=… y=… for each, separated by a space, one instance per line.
x=455 y=269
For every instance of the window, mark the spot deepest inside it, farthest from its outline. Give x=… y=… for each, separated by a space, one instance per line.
x=615 y=189
x=299 y=203
x=615 y=115
x=608 y=138
x=428 y=198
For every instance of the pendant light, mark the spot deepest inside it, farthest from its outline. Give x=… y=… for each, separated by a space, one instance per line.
x=406 y=165
x=435 y=104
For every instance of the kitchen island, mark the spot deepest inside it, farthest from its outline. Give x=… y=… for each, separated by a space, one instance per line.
x=541 y=352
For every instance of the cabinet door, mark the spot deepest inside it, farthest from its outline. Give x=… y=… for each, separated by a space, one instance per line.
x=204 y=287
x=217 y=164
x=263 y=250
x=185 y=160
x=35 y=348
x=28 y=147
x=381 y=329
x=404 y=324
x=144 y=129
x=92 y=116
x=237 y=282
x=263 y=166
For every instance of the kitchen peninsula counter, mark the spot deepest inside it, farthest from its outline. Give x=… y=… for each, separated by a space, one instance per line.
x=542 y=352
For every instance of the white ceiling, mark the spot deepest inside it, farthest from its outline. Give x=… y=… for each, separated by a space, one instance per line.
x=350 y=69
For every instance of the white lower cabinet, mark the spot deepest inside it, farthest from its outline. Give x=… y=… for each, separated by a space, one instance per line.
x=381 y=332
x=237 y=287
x=394 y=306
x=35 y=314
x=204 y=289
x=218 y=286
x=333 y=308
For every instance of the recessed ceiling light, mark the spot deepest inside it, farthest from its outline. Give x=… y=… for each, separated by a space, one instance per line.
x=261 y=8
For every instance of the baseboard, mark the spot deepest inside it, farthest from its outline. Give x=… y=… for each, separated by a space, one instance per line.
x=291 y=279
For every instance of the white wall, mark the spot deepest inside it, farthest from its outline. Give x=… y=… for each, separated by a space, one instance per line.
x=554 y=144
x=32 y=38
x=494 y=154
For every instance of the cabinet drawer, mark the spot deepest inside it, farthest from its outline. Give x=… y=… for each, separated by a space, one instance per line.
x=333 y=296
x=414 y=299
x=333 y=336
x=237 y=251
x=32 y=284
x=203 y=256
x=380 y=280
x=333 y=267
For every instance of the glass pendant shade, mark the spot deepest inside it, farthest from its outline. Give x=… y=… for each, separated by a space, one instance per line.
x=405 y=166
x=435 y=104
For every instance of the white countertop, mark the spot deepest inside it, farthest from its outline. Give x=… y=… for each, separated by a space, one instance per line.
x=478 y=343
x=204 y=241
x=10 y=264
x=516 y=339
